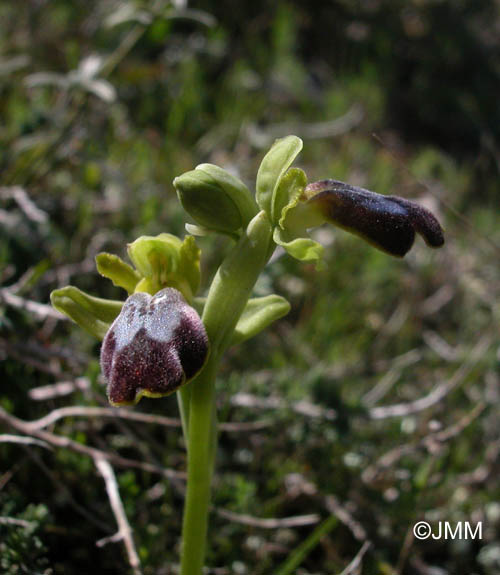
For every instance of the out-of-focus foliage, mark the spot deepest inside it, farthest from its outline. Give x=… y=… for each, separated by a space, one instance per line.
x=102 y=105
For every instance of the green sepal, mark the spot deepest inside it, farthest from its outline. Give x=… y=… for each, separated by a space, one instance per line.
x=119 y=272
x=189 y=264
x=215 y=199
x=93 y=314
x=272 y=169
x=258 y=314
x=166 y=261
x=288 y=193
x=303 y=249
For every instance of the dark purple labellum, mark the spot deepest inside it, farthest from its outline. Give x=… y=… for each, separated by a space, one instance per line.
x=155 y=345
x=387 y=222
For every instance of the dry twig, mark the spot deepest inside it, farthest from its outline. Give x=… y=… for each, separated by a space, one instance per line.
x=344 y=516
x=301 y=407
x=124 y=532
x=271 y=522
x=26 y=204
x=66 y=443
x=355 y=565
x=439 y=392
x=121 y=413
x=430 y=442
x=40 y=310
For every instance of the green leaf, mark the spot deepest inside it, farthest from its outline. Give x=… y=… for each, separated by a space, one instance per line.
x=258 y=314
x=274 y=165
x=303 y=249
x=93 y=314
x=119 y=272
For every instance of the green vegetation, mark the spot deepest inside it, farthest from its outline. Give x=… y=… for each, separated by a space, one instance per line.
x=103 y=105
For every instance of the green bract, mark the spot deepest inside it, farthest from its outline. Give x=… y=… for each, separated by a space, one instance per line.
x=215 y=199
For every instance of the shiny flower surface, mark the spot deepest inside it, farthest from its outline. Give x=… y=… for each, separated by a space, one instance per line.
x=155 y=345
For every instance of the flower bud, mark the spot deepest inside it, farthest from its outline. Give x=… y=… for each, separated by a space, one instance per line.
x=155 y=345
x=215 y=199
x=387 y=222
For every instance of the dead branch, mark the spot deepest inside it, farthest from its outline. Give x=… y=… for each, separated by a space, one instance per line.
x=344 y=516
x=430 y=442
x=124 y=530
x=110 y=412
x=59 y=389
x=391 y=377
x=439 y=392
x=274 y=402
x=8 y=438
x=40 y=310
x=25 y=203
x=67 y=443
x=355 y=565
x=121 y=413
x=261 y=138
x=271 y=522
x=14 y=521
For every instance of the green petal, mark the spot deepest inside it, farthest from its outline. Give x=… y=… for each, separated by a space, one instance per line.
x=304 y=249
x=119 y=272
x=290 y=188
x=93 y=314
x=189 y=263
x=153 y=255
x=166 y=261
x=257 y=315
x=273 y=167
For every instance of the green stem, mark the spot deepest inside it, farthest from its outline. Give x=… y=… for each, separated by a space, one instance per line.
x=183 y=399
x=200 y=470
x=227 y=297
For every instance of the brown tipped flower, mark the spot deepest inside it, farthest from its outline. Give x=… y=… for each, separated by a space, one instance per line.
x=155 y=345
x=387 y=222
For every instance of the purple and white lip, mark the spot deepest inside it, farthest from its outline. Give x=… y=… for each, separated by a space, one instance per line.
x=155 y=345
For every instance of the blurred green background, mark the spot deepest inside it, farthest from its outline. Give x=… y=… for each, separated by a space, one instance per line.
x=102 y=104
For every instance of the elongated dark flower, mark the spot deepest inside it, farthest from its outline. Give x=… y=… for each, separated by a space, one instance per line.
x=387 y=222
x=155 y=345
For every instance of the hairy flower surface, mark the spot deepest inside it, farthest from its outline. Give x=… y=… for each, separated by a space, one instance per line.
x=387 y=222
x=155 y=345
